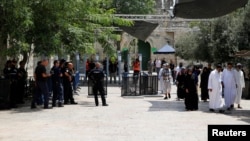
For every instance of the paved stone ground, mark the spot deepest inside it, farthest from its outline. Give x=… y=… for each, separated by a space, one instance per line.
x=125 y=119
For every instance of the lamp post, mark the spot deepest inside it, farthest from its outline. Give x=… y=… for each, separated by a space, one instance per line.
x=129 y=62
x=140 y=59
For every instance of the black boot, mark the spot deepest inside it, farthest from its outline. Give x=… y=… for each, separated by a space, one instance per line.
x=60 y=104
x=53 y=104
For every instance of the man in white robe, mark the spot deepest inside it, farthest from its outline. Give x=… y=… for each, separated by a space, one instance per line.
x=229 y=84
x=240 y=84
x=216 y=101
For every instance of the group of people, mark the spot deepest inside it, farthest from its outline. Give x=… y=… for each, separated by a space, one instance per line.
x=57 y=83
x=17 y=77
x=62 y=77
x=221 y=86
x=225 y=87
x=186 y=81
x=157 y=64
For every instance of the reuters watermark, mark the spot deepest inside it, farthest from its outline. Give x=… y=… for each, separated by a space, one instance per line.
x=241 y=132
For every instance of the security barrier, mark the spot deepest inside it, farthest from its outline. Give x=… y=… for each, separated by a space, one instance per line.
x=149 y=84
x=130 y=84
x=136 y=85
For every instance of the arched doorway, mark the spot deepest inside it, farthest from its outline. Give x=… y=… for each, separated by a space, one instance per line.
x=144 y=49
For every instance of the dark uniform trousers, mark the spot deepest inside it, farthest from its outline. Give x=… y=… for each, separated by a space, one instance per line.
x=68 y=91
x=97 y=77
x=57 y=92
x=98 y=87
x=42 y=88
x=13 y=93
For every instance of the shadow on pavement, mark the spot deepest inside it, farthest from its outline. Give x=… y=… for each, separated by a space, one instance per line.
x=87 y=104
x=167 y=105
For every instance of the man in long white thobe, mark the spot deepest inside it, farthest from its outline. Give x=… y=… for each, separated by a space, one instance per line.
x=240 y=84
x=229 y=84
x=216 y=101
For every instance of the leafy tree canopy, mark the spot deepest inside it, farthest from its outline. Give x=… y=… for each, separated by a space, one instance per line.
x=57 y=26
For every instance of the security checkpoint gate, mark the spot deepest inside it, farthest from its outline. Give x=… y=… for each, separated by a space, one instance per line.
x=130 y=84
x=149 y=84
x=143 y=84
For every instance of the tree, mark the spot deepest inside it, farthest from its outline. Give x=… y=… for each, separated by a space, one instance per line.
x=243 y=28
x=203 y=52
x=186 y=45
x=15 y=20
x=224 y=45
x=134 y=6
x=51 y=25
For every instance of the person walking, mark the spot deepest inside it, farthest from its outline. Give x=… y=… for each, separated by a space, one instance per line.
x=180 y=80
x=240 y=84
x=203 y=84
x=229 y=85
x=165 y=74
x=191 y=96
x=97 y=77
x=215 y=90
x=178 y=69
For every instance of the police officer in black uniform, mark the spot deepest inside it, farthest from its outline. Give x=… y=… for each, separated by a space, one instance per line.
x=21 y=82
x=41 y=84
x=96 y=75
x=11 y=73
x=57 y=85
x=67 y=83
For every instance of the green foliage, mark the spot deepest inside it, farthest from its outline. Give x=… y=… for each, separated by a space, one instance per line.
x=57 y=26
x=186 y=45
x=218 y=39
x=134 y=6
